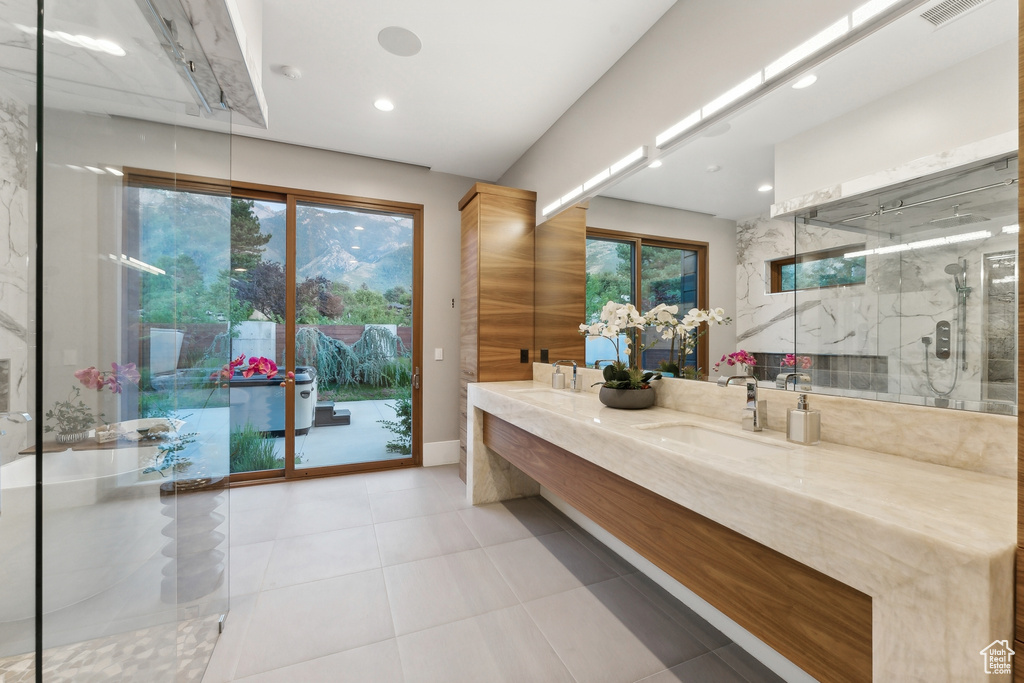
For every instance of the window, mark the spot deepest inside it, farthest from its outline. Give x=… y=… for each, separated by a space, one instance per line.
x=644 y=271
x=813 y=270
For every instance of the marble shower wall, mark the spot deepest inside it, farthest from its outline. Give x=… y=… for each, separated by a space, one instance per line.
x=904 y=295
x=15 y=244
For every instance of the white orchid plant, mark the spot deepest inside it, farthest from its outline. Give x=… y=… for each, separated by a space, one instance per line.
x=617 y=318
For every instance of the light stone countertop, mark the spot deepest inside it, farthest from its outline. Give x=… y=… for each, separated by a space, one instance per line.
x=932 y=545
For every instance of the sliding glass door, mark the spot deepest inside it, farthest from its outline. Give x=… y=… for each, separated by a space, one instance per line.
x=319 y=346
x=354 y=306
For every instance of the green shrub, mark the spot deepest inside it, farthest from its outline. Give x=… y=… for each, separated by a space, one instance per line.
x=402 y=426
x=251 y=452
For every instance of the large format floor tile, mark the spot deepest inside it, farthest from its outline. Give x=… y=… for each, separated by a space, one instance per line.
x=549 y=564
x=376 y=663
x=444 y=589
x=418 y=538
x=504 y=646
x=321 y=556
x=309 y=620
x=392 y=577
x=610 y=633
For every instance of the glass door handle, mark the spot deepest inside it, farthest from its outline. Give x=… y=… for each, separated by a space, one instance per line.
x=416 y=379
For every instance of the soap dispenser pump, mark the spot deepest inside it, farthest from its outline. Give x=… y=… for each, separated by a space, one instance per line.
x=803 y=425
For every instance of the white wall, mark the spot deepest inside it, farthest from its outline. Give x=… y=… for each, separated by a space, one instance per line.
x=696 y=51
x=660 y=221
x=969 y=102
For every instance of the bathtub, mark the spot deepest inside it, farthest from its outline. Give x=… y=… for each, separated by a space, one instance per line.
x=102 y=541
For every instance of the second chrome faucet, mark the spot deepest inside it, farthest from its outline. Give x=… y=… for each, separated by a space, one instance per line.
x=755 y=415
x=558 y=379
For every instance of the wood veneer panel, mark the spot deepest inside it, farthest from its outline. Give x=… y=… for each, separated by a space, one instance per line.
x=505 y=307
x=1019 y=605
x=560 y=282
x=499 y=190
x=818 y=623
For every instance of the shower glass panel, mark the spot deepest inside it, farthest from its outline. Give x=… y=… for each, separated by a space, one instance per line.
x=934 y=322
x=18 y=137
x=130 y=435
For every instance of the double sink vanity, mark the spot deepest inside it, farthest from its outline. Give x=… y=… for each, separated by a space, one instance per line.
x=854 y=564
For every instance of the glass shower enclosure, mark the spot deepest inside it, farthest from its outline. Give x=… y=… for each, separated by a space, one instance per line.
x=113 y=503
x=909 y=293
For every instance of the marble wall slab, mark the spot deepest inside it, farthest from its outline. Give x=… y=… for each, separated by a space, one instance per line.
x=972 y=441
x=15 y=241
x=904 y=296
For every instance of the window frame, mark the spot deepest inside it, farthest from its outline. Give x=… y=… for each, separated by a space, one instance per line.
x=640 y=240
x=139 y=177
x=775 y=266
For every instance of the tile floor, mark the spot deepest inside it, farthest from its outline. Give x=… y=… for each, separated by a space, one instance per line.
x=392 y=576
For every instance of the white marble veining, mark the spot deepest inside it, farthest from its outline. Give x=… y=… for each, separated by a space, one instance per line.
x=933 y=546
x=225 y=46
x=903 y=297
x=15 y=165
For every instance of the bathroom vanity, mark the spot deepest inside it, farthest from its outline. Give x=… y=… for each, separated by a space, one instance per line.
x=855 y=565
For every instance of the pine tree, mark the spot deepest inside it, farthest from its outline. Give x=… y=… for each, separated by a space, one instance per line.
x=247 y=241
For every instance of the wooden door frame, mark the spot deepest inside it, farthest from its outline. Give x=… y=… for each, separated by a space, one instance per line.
x=291 y=197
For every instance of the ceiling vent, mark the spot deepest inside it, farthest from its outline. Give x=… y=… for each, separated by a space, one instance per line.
x=947 y=11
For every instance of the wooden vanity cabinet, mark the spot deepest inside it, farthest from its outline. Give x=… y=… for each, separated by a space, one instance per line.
x=497 y=309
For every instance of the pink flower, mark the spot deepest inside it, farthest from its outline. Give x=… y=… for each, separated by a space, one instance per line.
x=740 y=357
x=126 y=372
x=792 y=360
x=262 y=366
x=90 y=377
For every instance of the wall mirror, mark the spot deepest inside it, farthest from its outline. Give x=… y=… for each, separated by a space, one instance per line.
x=879 y=258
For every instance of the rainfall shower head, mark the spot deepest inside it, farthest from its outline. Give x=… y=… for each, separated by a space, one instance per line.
x=958 y=270
x=957 y=219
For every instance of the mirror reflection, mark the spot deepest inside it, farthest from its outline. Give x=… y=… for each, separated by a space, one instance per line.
x=875 y=216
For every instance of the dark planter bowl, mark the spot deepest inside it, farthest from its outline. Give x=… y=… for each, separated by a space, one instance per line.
x=627 y=399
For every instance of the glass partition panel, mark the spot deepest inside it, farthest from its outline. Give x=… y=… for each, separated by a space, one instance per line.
x=18 y=541
x=934 y=320
x=136 y=316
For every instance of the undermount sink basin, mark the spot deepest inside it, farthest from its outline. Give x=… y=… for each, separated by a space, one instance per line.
x=711 y=440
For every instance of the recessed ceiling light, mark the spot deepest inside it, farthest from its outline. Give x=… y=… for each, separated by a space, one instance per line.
x=765 y=188
x=399 y=41
x=358 y=227
x=384 y=105
x=291 y=73
x=805 y=82
x=655 y=164
x=713 y=168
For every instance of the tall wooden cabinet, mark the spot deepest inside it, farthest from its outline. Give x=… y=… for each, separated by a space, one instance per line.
x=496 y=323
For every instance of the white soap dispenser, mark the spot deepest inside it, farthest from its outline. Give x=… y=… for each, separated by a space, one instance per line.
x=803 y=425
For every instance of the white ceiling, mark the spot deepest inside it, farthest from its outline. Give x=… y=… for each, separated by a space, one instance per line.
x=899 y=54
x=491 y=77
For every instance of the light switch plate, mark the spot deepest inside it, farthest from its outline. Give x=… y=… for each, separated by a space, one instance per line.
x=439 y=354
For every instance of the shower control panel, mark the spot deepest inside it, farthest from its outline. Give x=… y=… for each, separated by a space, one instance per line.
x=942 y=337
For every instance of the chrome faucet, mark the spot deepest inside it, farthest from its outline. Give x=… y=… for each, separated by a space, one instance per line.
x=782 y=381
x=558 y=373
x=755 y=415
